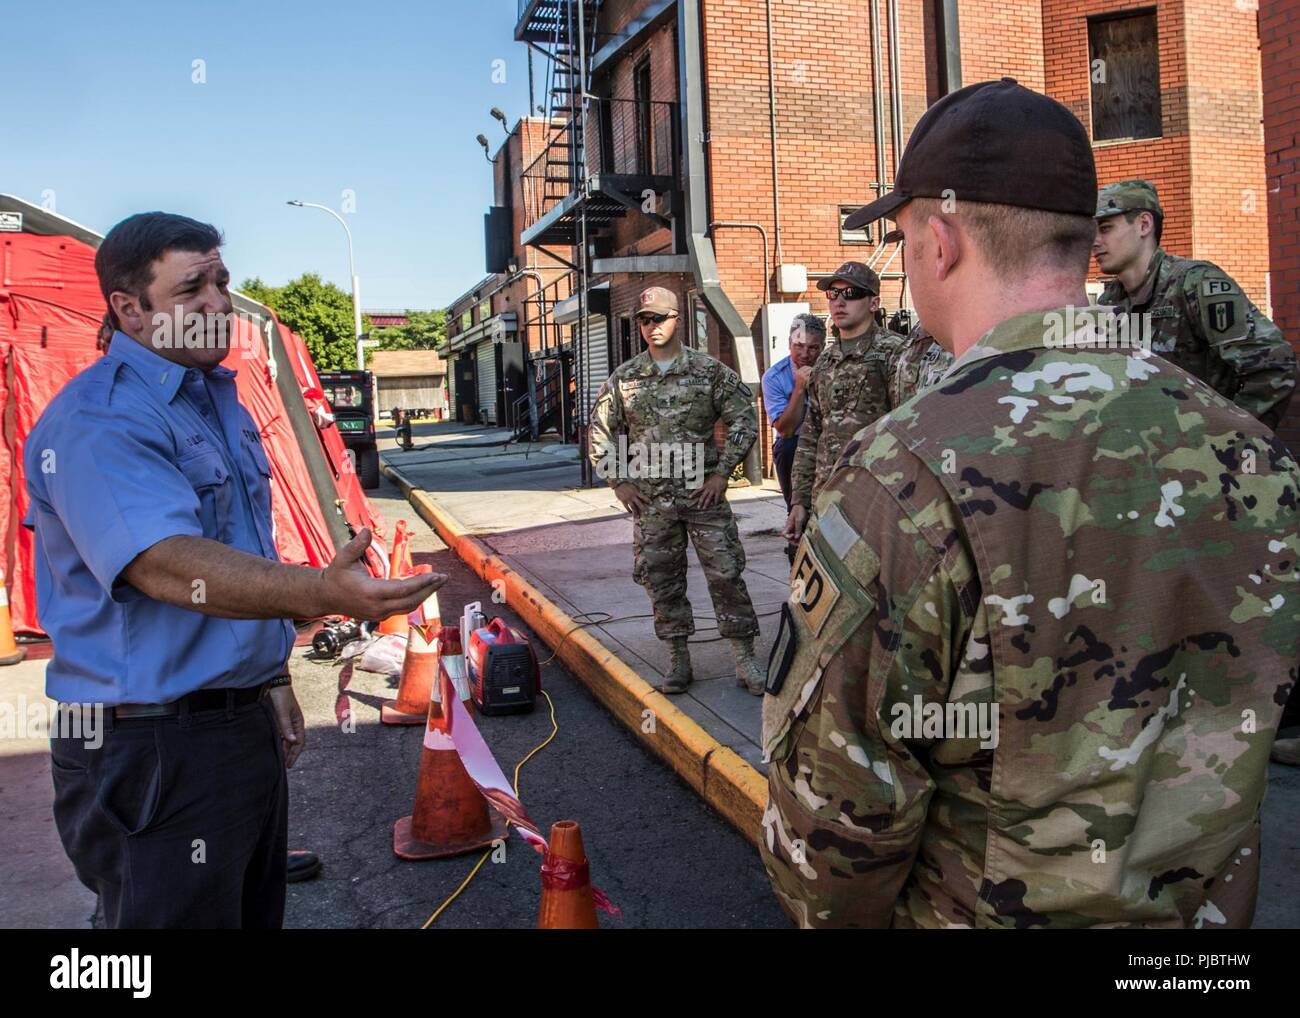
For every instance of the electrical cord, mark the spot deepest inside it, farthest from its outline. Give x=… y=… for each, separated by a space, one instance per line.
x=608 y=620
x=555 y=729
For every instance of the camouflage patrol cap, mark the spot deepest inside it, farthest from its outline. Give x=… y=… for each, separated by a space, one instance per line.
x=657 y=300
x=1128 y=196
x=852 y=272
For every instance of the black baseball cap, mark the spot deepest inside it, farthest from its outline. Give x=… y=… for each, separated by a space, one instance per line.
x=996 y=142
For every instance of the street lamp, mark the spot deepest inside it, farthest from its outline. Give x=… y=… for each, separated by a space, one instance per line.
x=496 y=114
x=352 y=267
x=482 y=140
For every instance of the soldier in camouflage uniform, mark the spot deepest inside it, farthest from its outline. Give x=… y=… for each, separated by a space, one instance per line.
x=849 y=387
x=1199 y=317
x=915 y=365
x=982 y=712
x=667 y=399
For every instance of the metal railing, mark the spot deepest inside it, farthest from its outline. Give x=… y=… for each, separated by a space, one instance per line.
x=622 y=136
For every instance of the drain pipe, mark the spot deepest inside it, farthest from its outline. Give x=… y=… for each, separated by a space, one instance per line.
x=763 y=233
x=771 y=115
x=895 y=85
x=699 y=247
x=878 y=122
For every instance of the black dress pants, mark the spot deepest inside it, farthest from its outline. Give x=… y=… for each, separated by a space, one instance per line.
x=178 y=821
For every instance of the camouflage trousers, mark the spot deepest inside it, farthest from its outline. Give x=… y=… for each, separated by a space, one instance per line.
x=659 y=543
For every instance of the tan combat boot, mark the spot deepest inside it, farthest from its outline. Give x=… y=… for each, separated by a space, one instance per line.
x=748 y=671
x=680 y=675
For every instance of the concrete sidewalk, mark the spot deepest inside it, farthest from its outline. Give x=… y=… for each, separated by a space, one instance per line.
x=575 y=545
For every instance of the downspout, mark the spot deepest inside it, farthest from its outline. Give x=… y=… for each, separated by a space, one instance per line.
x=771 y=116
x=895 y=86
x=878 y=115
x=949 y=46
x=699 y=247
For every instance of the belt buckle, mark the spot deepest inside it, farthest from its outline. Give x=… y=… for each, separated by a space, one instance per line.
x=129 y=711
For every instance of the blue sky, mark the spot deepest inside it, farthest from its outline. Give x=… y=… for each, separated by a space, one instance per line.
x=302 y=100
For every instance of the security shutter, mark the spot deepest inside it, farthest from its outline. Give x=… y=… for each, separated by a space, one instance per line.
x=485 y=358
x=595 y=361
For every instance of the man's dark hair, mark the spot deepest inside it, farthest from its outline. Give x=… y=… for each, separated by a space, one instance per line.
x=1132 y=216
x=125 y=259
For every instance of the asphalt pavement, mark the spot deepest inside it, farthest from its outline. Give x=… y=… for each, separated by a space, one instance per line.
x=659 y=853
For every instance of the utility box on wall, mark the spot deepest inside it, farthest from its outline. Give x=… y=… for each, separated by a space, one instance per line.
x=775 y=320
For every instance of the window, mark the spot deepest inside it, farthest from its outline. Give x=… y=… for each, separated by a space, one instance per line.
x=467 y=320
x=1124 y=69
x=485 y=310
x=860 y=236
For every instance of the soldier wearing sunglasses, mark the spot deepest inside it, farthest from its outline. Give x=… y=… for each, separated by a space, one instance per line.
x=669 y=397
x=849 y=387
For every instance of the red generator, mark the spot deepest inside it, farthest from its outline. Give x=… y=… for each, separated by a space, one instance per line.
x=504 y=677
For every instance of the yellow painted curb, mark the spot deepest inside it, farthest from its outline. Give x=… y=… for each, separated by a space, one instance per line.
x=719 y=774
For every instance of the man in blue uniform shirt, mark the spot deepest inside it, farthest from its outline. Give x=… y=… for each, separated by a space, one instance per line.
x=158 y=581
x=785 y=385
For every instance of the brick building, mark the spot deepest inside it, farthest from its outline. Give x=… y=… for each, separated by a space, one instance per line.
x=504 y=361
x=723 y=142
x=1279 y=39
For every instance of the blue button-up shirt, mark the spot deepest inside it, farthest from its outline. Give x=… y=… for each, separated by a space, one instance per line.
x=778 y=387
x=132 y=451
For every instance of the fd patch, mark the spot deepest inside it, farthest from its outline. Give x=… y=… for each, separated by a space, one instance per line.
x=1222 y=315
x=813 y=591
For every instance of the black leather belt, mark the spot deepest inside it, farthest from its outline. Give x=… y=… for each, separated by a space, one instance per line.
x=200 y=699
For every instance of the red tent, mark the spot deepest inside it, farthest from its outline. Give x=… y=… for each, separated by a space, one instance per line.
x=50 y=311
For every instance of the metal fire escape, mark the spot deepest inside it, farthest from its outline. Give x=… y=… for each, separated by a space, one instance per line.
x=603 y=157
x=561 y=31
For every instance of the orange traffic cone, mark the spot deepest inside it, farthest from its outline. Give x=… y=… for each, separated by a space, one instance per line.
x=399 y=566
x=567 y=901
x=10 y=652
x=451 y=816
x=419 y=668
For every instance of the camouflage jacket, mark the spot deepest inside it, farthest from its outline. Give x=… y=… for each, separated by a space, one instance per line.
x=670 y=415
x=1008 y=546
x=1201 y=320
x=845 y=394
x=916 y=364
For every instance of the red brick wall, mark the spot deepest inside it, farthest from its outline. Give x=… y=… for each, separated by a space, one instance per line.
x=1207 y=166
x=822 y=77
x=1279 y=37
x=1002 y=38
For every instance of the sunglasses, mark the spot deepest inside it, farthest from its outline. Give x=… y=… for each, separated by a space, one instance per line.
x=848 y=293
x=649 y=318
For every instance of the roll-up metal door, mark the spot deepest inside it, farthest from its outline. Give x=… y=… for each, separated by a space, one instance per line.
x=595 y=359
x=485 y=359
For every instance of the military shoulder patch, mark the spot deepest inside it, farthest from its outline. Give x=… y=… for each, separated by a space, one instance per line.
x=813 y=588
x=1217 y=286
x=1221 y=315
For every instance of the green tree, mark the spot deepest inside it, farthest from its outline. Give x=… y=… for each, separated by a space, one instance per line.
x=424 y=331
x=319 y=312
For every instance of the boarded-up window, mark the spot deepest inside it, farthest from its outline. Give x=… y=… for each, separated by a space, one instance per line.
x=1124 y=59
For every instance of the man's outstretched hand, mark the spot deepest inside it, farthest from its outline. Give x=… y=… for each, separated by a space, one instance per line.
x=350 y=590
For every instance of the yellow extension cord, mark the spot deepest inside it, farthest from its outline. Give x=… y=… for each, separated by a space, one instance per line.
x=555 y=729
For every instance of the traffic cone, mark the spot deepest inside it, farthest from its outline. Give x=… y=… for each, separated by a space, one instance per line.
x=419 y=668
x=10 y=652
x=451 y=816
x=567 y=901
x=399 y=566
